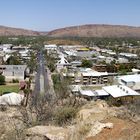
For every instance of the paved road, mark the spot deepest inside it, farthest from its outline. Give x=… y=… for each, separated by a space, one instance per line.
x=41 y=81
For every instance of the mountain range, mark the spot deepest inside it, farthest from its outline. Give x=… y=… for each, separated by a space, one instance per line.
x=92 y=30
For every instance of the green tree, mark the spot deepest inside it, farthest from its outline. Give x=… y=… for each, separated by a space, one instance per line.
x=2 y=80
x=86 y=64
x=13 y=60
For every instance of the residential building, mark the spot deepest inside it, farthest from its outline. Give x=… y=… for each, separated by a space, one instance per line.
x=100 y=68
x=91 y=77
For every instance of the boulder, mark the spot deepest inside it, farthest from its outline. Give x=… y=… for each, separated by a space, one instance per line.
x=11 y=99
x=98 y=127
x=47 y=133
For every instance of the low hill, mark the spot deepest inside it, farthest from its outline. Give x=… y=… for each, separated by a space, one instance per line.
x=95 y=30
x=8 y=31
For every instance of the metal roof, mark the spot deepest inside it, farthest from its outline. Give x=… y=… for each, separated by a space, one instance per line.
x=120 y=91
x=130 y=78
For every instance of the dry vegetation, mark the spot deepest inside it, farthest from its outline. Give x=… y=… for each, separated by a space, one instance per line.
x=97 y=31
x=63 y=42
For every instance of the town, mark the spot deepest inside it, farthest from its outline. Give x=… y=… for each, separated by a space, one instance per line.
x=70 y=70
x=92 y=71
x=67 y=75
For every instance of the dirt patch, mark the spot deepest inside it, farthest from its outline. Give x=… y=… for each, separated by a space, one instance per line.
x=122 y=130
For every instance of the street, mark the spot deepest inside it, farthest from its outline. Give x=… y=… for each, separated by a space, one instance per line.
x=41 y=80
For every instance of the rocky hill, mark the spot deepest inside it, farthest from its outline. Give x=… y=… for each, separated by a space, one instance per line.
x=8 y=31
x=95 y=30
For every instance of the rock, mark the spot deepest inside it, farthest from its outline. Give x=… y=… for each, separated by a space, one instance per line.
x=11 y=99
x=47 y=133
x=96 y=111
x=98 y=127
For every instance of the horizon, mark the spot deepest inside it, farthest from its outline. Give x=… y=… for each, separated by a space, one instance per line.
x=42 y=15
x=69 y=26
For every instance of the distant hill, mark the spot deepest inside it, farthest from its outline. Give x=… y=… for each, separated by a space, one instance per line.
x=8 y=31
x=92 y=30
x=95 y=30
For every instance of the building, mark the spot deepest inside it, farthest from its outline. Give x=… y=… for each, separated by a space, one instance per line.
x=82 y=49
x=132 y=81
x=117 y=91
x=70 y=76
x=91 y=77
x=76 y=63
x=52 y=48
x=100 y=68
x=128 y=55
x=62 y=63
x=13 y=72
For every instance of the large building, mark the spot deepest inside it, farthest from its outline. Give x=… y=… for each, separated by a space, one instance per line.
x=52 y=48
x=91 y=77
x=13 y=72
x=132 y=81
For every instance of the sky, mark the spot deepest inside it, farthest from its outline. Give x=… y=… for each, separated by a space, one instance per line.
x=46 y=15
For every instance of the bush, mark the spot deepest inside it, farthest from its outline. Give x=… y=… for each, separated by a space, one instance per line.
x=15 y=81
x=65 y=115
x=84 y=129
x=114 y=102
x=3 y=108
x=2 y=80
x=86 y=64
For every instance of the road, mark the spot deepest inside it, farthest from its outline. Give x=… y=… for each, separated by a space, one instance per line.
x=41 y=80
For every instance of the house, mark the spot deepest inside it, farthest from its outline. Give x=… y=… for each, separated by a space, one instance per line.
x=13 y=72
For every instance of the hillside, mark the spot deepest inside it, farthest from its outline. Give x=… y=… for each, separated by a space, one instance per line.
x=8 y=31
x=97 y=31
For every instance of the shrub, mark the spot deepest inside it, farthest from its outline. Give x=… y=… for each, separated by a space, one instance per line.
x=15 y=81
x=2 y=80
x=84 y=129
x=114 y=102
x=65 y=115
x=3 y=108
x=86 y=63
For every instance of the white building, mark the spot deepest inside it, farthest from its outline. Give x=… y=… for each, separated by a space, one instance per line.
x=24 y=53
x=91 y=77
x=62 y=63
x=52 y=48
x=120 y=91
x=132 y=81
x=128 y=55
x=122 y=60
x=13 y=71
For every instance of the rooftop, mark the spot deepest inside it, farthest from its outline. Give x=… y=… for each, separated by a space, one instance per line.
x=130 y=78
x=120 y=91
